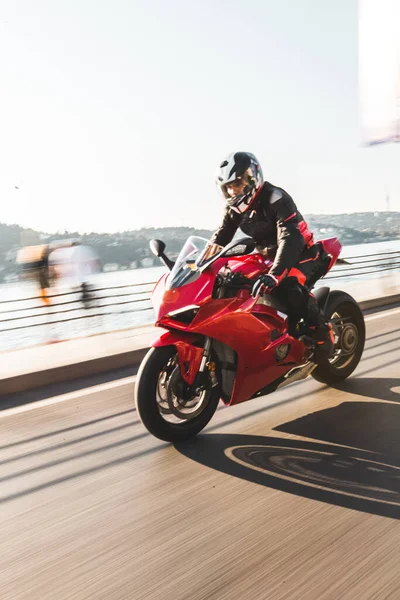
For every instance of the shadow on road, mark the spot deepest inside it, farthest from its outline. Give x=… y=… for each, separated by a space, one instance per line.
x=380 y=388
x=355 y=463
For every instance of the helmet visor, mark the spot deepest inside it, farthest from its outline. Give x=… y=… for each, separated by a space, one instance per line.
x=237 y=193
x=234 y=190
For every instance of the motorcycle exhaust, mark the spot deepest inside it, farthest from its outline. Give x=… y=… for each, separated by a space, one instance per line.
x=298 y=373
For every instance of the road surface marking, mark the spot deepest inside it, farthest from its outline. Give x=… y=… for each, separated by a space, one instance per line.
x=382 y=315
x=69 y=396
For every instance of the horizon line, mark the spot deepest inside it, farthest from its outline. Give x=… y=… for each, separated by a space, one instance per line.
x=147 y=227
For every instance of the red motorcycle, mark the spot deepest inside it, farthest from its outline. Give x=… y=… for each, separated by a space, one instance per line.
x=222 y=344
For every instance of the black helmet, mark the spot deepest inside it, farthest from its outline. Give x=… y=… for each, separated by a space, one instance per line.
x=239 y=179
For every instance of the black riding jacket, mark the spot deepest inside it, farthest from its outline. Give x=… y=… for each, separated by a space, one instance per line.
x=274 y=222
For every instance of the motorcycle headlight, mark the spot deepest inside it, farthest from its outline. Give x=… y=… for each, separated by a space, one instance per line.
x=185 y=314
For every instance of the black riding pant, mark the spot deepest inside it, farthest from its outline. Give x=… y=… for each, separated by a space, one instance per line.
x=294 y=290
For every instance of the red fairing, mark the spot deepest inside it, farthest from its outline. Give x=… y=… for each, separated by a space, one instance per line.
x=200 y=291
x=254 y=329
x=247 y=327
x=197 y=292
x=251 y=265
x=189 y=354
x=158 y=292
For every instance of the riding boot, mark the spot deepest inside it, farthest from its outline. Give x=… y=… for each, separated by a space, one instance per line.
x=321 y=332
x=325 y=343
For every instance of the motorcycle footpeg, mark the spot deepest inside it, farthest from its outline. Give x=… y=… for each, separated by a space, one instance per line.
x=307 y=341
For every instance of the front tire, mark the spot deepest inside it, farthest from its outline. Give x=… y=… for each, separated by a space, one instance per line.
x=349 y=328
x=159 y=369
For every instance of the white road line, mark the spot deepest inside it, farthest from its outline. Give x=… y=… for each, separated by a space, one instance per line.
x=382 y=315
x=69 y=396
x=115 y=384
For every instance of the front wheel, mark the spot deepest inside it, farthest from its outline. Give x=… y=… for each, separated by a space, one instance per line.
x=169 y=408
x=347 y=320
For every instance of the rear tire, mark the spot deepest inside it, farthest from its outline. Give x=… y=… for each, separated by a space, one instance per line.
x=349 y=327
x=148 y=405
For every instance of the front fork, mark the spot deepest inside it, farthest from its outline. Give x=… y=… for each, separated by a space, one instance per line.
x=195 y=364
x=206 y=354
x=208 y=364
x=205 y=361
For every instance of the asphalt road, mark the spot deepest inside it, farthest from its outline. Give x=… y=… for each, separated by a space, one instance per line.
x=291 y=496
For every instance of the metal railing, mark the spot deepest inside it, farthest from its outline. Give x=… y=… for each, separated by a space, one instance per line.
x=106 y=304
x=366 y=265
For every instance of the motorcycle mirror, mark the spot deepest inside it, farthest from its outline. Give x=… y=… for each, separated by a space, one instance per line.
x=157 y=247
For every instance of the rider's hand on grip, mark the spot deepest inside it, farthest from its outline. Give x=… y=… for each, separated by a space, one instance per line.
x=264 y=282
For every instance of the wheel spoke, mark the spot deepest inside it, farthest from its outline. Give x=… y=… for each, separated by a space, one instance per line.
x=346 y=339
x=177 y=401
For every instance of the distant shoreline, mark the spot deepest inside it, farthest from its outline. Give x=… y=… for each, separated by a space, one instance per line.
x=129 y=250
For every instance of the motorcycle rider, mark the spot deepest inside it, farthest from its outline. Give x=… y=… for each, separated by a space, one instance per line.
x=269 y=215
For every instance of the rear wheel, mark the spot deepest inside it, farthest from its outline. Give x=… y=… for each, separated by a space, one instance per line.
x=168 y=407
x=347 y=320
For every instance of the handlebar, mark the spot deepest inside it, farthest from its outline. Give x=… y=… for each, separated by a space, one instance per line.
x=239 y=281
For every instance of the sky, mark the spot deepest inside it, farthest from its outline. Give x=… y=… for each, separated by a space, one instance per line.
x=115 y=115
x=379 y=70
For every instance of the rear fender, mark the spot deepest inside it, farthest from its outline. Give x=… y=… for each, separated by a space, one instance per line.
x=190 y=351
x=322 y=297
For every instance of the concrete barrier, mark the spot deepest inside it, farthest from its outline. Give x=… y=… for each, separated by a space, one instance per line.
x=30 y=381
x=379 y=302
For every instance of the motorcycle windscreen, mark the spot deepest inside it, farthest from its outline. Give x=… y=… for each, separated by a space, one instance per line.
x=379 y=70
x=186 y=268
